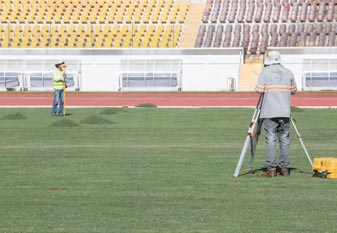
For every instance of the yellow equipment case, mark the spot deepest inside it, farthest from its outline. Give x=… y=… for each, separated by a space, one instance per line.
x=325 y=168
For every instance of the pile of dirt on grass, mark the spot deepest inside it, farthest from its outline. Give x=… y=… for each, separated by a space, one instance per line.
x=111 y=111
x=146 y=105
x=14 y=116
x=64 y=123
x=95 y=120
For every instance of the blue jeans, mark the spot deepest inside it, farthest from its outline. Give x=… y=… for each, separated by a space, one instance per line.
x=277 y=128
x=58 y=99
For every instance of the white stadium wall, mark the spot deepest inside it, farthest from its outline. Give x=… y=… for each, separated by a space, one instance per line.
x=321 y=61
x=199 y=69
x=101 y=69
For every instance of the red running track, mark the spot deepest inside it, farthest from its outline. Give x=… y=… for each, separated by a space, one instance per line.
x=78 y=99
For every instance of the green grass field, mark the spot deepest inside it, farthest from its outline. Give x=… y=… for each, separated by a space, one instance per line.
x=157 y=170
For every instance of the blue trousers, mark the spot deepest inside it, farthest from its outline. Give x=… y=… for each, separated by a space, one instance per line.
x=277 y=129
x=58 y=100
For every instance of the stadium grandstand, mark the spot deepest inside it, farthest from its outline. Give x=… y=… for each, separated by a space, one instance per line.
x=250 y=27
x=254 y=25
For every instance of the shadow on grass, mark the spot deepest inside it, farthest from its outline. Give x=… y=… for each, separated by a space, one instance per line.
x=14 y=116
x=95 y=120
x=64 y=123
x=278 y=169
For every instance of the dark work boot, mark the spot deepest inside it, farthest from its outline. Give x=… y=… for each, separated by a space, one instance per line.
x=269 y=173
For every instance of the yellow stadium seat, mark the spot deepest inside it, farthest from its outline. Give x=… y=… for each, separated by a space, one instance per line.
x=129 y=17
x=71 y=29
x=161 y=3
x=152 y=3
x=106 y=29
x=174 y=13
x=49 y=17
x=110 y=38
x=80 y=29
x=44 y=43
x=139 y=14
x=22 y=18
x=27 y=29
x=31 y=16
x=183 y=14
x=134 y=29
x=120 y=15
x=103 y=14
x=88 y=29
x=63 y=29
x=85 y=17
x=170 y=3
x=76 y=15
x=127 y=41
x=176 y=35
x=164 y=16
x=107 y=43
x=124 y=30
x=36 y=29
x=118 y=2
x=97 y=30
x=111 y=17
x=115 y=30
x=110 y=2
x=67 y=17
x=151 y=29
x=117 y=42
x=155 y=15
x=57 y=18
x=45 y=29
x=35 y=42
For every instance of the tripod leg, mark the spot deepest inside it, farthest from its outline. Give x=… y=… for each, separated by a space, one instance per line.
x=250 y=134
x=301 y=141
x=254 y=143
x=242 y=156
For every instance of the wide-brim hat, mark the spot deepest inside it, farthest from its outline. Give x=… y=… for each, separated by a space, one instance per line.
x=62 y=64
x=273 y=57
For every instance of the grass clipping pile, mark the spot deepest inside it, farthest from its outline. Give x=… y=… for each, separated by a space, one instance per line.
x=95 y=120
x=64 y=123
x=14 y=116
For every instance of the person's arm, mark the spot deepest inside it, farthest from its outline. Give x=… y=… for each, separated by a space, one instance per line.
x=293 y=87
x=261 y=84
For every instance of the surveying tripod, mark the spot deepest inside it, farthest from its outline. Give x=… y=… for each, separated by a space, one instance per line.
x=252 y=138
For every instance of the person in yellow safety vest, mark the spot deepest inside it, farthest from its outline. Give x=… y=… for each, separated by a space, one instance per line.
x=59 y=83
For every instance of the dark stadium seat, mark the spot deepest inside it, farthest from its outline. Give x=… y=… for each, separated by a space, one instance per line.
x=237 y=35
x=304 y=12
x=218 y=36
x=209 y=36
x=331 y=11
x=312 y=12
x=224 y=12
x=294 y=12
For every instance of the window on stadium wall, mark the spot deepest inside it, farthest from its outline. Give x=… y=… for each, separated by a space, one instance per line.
x=150 y=73
x=320 y=73
x=35 y=74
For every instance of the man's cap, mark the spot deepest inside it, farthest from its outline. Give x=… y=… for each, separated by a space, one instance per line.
x=274 y=57
x=63 y=64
